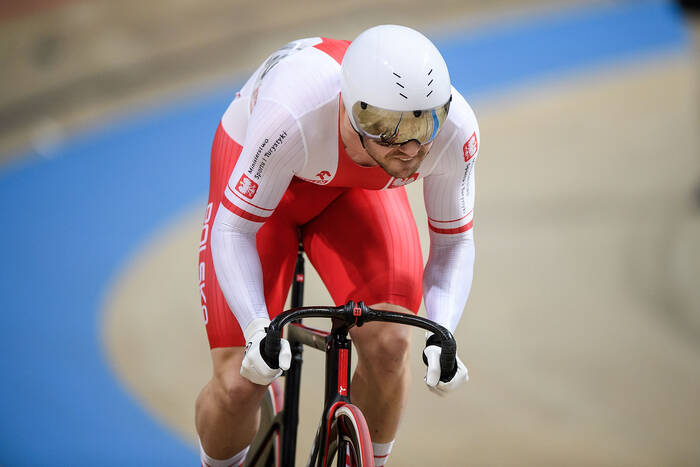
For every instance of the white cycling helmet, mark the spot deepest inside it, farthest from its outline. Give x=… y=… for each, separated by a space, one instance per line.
x=395 y=85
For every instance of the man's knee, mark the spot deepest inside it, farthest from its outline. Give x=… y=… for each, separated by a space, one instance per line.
x=233 y=391
x=383 y=348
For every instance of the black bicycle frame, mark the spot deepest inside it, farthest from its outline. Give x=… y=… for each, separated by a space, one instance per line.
x=338 y=351
x=338 y=369
x=292 y=381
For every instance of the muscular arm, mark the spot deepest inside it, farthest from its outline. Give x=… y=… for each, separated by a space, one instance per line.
x=273 y=152
x=449 y=200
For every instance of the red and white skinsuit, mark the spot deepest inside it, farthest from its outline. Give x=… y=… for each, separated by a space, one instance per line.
x=278 y=165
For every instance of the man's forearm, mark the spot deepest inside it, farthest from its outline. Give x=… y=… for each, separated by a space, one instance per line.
x=448 y=277
x=238 y=270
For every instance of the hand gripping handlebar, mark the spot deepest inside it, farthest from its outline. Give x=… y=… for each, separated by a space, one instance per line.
x=352 y=314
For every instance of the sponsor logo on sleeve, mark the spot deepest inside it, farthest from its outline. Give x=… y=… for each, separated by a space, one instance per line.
x=256 y=158
x=323 y=177
x=464 y=186
x=246 y=187
x=470 y=148
x=403 y=181
x=263 y=154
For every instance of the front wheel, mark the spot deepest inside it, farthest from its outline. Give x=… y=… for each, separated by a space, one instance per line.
x=350 y=443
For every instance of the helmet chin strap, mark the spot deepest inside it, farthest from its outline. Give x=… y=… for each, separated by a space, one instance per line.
x=362 y=141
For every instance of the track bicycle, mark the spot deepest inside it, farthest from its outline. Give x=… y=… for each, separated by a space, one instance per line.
x=342 y=437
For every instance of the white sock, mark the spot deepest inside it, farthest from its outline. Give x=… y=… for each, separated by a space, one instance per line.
x=234 y=461
x=381 y=453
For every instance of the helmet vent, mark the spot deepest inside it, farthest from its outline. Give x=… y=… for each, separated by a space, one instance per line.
x=402 y=86
x=401 y=94
x=430 y=82
x=399 y=76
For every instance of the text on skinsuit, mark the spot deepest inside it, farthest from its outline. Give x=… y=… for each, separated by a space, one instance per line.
x=202 y=267
x=202 y=284
x=268 y=153
x=205 y=228
x=257 y=155
x=464 y=186
x=470 y=148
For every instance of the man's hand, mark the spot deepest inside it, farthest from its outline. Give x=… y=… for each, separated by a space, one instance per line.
x=431 y=357
x=253 y=366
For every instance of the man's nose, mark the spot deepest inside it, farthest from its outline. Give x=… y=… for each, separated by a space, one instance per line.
x=410 y=148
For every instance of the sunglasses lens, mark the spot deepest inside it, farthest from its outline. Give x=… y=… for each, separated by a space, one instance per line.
x=396 y=127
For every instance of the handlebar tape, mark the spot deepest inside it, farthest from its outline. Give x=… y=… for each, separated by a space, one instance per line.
x=270 y=348
x=448 y=360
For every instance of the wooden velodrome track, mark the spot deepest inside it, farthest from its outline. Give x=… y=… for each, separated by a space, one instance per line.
x=582 y=331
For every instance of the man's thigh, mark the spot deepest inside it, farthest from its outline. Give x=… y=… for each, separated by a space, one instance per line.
x=365 y=247
x=276 y=242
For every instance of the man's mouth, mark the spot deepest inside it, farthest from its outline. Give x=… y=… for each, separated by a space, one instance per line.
x=405 y=158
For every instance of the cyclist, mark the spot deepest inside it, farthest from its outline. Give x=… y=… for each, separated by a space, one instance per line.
x=321 y=140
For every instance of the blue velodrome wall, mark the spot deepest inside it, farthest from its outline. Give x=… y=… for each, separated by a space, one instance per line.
x=70 y=222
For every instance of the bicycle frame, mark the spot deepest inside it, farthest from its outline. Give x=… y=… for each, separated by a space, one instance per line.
x=338 y=371
x=338 y=351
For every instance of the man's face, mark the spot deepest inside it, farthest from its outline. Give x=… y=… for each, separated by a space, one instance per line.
x=400 y=161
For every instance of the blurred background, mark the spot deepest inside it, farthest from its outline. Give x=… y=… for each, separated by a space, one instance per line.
x=582 y=333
